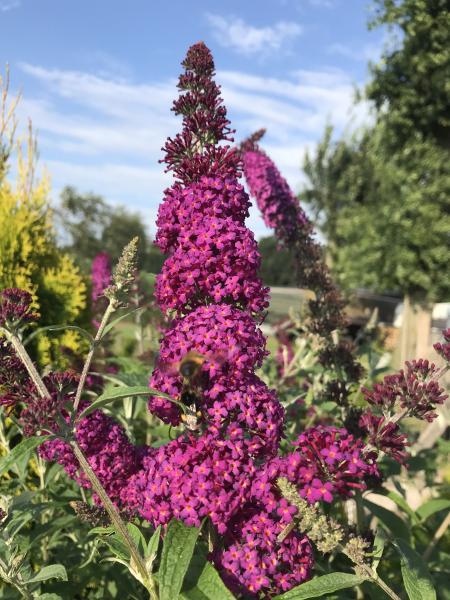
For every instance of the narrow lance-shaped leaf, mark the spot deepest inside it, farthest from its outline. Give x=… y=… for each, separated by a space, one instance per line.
x=152 y=548
x=120 y=392
x=209 y=586
x=50 y=572
x=113 y=323
x=26 y=445
x=79 y=330
x=177 y=552
x=319 y=586
x=390 y=520
x=431 y=507
x=417 y=579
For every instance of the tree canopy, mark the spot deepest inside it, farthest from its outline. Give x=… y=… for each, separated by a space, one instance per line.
x=91 y=225
x=381 y=196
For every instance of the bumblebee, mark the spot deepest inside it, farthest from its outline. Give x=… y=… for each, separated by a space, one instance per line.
x=190 y=369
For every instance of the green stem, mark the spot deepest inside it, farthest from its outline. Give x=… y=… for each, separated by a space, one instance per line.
x=25 y=358
x=371 y=574
x=116 y=520
x=111 y=308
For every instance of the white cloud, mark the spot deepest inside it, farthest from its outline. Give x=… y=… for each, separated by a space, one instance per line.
x=105 y=135
x=322 y=3
x=6 y=5
x=233 y=32
x=366 y=52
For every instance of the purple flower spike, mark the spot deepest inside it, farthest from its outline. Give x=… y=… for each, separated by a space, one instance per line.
x=101 y=275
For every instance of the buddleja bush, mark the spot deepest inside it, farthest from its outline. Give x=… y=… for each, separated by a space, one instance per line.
x=230 y=499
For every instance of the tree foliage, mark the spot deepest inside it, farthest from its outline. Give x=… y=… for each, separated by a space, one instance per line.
x=91 y=225
x=277 y=265
x=381 y=196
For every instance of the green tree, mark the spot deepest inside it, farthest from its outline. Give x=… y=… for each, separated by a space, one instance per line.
x=277 y=265
x=382 y=197
x=90 y=225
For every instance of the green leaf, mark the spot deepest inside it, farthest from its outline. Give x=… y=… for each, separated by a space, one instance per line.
x=117 y=546
x=389 y=519
x=417 y=579
x=431 y=507
x=378 y=548
x=26 y=445
x=209 y=586
x=152 y=549
x=120 y=392
x=326 y=584
x=81 y=331
x=178 y=548
x=401 y=503
x=328 y=406
x=102 y=530
x=113 y=323
x=50 y=572
x=137 y=536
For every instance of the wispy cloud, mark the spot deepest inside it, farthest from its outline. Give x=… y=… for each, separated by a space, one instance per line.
x=104 y=135
x=233 y=32
x=6 y=5
x=322 y=3
x=364 y=53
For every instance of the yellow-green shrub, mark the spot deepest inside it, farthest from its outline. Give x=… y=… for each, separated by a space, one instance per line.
x=30 y=258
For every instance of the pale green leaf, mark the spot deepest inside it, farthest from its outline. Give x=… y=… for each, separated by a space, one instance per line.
x=319 y=586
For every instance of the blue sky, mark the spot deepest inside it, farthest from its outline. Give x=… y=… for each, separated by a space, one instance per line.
x=98 y=78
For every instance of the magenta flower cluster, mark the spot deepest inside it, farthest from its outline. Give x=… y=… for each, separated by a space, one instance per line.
x=100 y=275
x=282 y=212
x=216 y=260
x=16 y=308
x=278 y=205
x=191 y=478
x=253 y=560
x=443 y=348
x=185 y=207
x=14 y=379
x=416 y=389
x=108 y=450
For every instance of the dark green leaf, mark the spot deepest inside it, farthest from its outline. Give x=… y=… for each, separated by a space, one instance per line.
x=431 y=507
x=389 y=519
x=326 y=584
x=50 y=572
x=209 y=586
x=178 y=548
x=120 y=392
x=25 y=446
x=417 y=579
